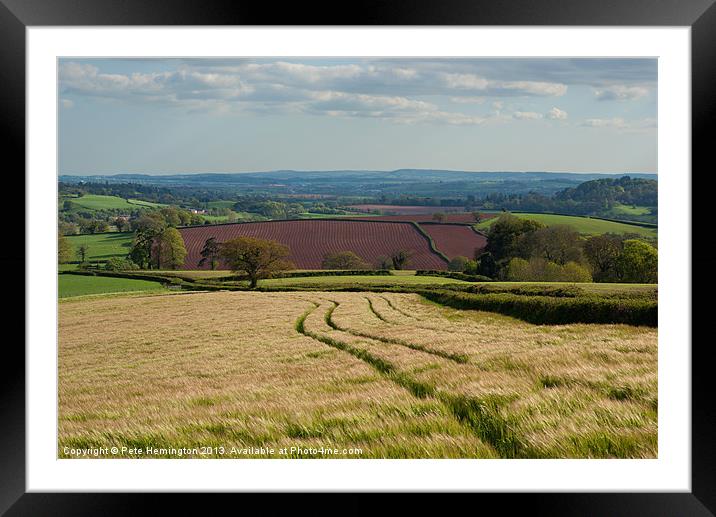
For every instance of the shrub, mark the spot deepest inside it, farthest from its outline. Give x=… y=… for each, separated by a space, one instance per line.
x=120 y=264
x=540 y=270
x=344 y=260
x=459 y=263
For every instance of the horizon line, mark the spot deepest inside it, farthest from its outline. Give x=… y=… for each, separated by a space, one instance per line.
x=351 y=170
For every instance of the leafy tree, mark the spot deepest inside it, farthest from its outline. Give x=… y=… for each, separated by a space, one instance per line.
x=471 y=267
x=82 y=252
x=258 y=258
x=168 y=251
x=439 y=217
x=122 y=224
x=344 y=260
x=401 y=258
x=64 y=249
x=146 y=229
x=384 y=262
x=486 y=265
x=540 y=270
x=68 y=228
x=638 y=262
x=504 y=235
x=602 y=252
x=557 y=243
x=458 y=263
x=210 y=253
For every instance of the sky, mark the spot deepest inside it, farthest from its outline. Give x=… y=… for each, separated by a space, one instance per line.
x=164 y=116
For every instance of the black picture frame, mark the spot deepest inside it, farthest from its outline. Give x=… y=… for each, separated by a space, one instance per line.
x=700 y=15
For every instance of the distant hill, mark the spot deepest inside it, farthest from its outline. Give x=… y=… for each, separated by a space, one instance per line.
x=424 y=183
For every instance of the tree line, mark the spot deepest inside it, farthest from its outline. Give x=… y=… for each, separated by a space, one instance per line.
x=527 y=250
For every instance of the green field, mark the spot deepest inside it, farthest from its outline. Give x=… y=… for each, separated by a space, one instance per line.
x=240 y=217
x=80 y=285
x=358 y=279
x=221 y=204
x=620 y=209
x=102 y=246
x=98 y=202
x=585 y=225
x=402 y=277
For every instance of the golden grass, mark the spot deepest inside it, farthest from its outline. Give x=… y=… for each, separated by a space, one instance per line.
x=387 y=373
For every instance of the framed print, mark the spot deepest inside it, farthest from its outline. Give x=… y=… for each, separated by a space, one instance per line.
x=425 y=249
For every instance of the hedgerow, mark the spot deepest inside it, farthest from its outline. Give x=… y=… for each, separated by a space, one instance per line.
x=552 y=309
x=453 y=274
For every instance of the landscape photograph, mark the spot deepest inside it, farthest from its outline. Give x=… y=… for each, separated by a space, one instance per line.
x=357 y=258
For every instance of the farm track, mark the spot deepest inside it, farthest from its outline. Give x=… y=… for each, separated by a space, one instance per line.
x=393 y=307
x=458 y=358
x=480 y=416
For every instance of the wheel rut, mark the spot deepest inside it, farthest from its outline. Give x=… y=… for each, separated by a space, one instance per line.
x=481 y=417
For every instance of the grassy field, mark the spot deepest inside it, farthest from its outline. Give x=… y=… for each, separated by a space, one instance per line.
x=358 y=279
x=240 y=216
x=372 y=375
x=620 y=209
x=102 y=246
x=80 y=285
x=585 y=225
x=98 y=202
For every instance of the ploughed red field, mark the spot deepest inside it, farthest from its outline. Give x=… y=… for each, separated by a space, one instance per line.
x=455 y=240
x=462 y=217
x=310 y=240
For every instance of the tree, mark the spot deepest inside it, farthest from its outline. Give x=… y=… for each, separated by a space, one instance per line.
x=82 y=252
x=439 y=217
x=168 y=251
x=401 y=258
x=487 y=265
x=638 y=262
x=458 y=263
x=258 y=258
x=602 y=252
x=146 y=229
x=384 y=262
x=122 y=224
x=64 y=249
x=210 y=253
x=538 y=269
x=504 y=234
x=557 y=243
x=344 y=260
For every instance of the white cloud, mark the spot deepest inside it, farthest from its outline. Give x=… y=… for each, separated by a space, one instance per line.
x=604 y=122
x=397 y=90
x=557 y=114
x=621 y=125
x=534 y=88
x=526 y=115
x=621 y=93
x=468 y=100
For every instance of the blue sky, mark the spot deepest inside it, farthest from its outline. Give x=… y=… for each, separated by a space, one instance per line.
x=161 y=116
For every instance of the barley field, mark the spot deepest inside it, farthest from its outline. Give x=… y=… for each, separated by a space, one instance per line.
x=352 y=375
